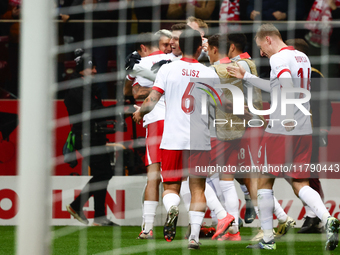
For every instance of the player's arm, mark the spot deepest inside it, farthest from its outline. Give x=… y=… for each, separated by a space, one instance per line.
x=140 y=92
x=139 y=70
x=240 y=73
x=128 y=88
x=147 y=106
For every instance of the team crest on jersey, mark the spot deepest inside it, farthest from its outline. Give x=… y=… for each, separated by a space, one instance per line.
x=281 y=67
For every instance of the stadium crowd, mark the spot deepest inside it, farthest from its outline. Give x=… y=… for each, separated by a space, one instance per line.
x=179 y=136
x=106 y=27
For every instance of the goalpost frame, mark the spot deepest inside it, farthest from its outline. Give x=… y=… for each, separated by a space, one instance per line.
x=37 y=70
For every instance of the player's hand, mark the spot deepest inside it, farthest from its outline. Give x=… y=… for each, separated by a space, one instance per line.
x=137 y=115
x=158 y=65
x=131 y=60
x=289 y=126
x=236 y=71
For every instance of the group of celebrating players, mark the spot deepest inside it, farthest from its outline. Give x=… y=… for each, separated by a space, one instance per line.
x=180 y=136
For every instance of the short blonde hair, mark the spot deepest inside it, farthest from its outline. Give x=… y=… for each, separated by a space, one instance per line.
x=267 y=29
x=201 y=24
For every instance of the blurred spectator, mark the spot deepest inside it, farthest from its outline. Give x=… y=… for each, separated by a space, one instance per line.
x=148 y=11
x=320 y=31
x=271 y=10
x=75 y=32
x=3 y=6
x=13 y=30
x=229 y=11
x=200 y=9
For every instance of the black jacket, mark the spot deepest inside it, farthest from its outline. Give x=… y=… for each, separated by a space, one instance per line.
x=76 y=103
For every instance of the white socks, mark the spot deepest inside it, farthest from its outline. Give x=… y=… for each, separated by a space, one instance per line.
x=185 y=194
x=149 y=213
x=196 y=219
x=279 y=212
x=309 y=212
x=231 y=202
x=213 y=203
x=245 y=191
x=171 y=199
x=314 y=201
x=265 y=202
x=256 y=208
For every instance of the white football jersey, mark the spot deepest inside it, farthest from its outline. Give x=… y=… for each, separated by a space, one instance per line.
x=185 y=127
x=297 y=64
x=158 y=112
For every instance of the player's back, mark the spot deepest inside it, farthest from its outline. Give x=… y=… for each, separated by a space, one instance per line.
x=185 y=127
x=298 y=65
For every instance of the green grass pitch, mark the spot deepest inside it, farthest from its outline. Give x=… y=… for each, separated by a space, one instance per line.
x=122 y=240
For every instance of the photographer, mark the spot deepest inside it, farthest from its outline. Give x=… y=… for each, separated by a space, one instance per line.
x=83 y=96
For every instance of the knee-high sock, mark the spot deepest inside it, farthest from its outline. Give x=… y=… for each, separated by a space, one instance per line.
x=279 y=212
x=185 y=194
x=171 y=199
x=265 y=202
x=196 y=219
x=149 y=213
x=213 y=203
x=309 y=212
x=231 y=202
x=245 y=191
x=314 y=201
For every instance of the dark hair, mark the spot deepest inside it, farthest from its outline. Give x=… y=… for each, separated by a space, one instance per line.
x=216 y=40
x=178 y=27
x=299 y=44
x=189 y=41
x=147 y=39
x=238 y=39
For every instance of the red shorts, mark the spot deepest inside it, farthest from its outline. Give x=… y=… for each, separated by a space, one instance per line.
x=249 y=146
x=224 y=153
x=154 y=132
x=177 y=164
x=285 y=155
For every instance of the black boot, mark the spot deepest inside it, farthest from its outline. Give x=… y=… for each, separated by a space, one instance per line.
x=311 y=225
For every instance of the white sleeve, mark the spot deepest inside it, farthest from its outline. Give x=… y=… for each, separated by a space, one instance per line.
x=144 y=72
x=257 y=82
x=130 y=77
